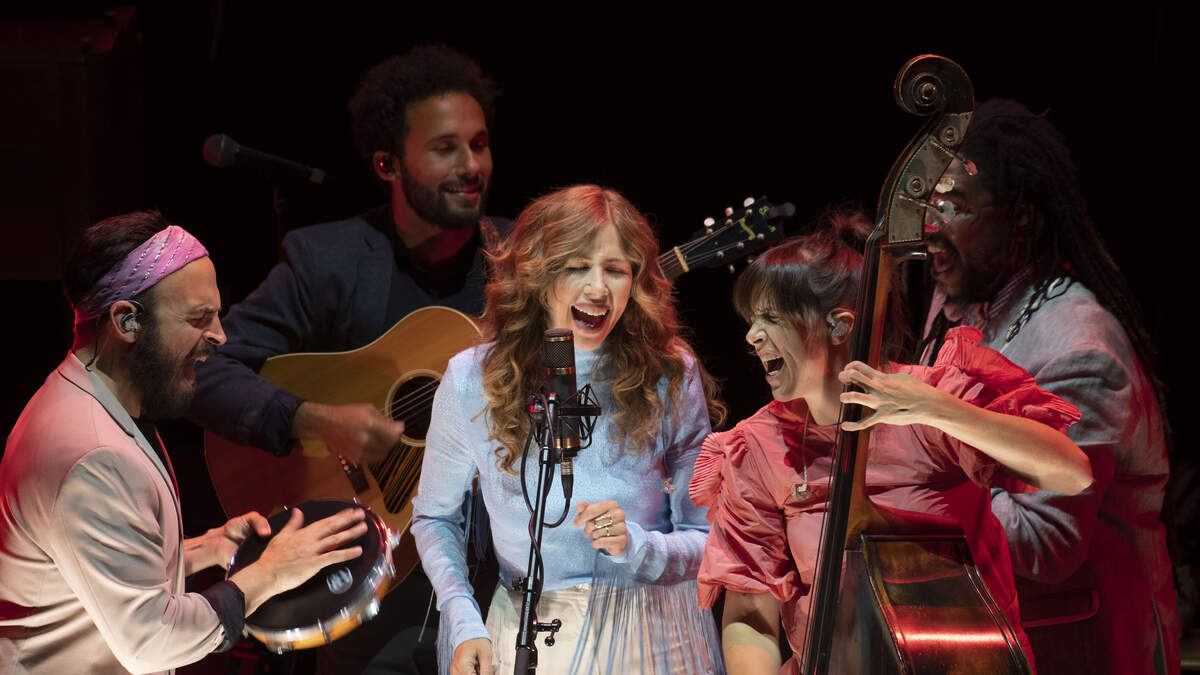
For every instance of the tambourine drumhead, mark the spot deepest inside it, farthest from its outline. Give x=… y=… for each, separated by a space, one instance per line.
x=336 y=600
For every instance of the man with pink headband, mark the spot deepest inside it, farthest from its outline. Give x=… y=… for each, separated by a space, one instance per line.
x=92 y=557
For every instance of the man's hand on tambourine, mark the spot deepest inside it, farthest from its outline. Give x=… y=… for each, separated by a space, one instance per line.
x=217 y=546
x=299 y=551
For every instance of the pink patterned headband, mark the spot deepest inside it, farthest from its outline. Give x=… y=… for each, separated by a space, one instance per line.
x=160 y=255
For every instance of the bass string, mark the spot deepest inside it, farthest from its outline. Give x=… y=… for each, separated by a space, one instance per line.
x=822 y=551
x=864 y=303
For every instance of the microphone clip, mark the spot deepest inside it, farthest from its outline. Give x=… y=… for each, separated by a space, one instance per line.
x=582 y=406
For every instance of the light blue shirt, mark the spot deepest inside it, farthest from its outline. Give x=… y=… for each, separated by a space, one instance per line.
x=666 y=531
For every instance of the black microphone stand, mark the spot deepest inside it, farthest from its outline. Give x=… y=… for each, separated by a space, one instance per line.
x=545 y=410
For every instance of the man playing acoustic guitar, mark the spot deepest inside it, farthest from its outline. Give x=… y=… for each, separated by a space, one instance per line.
x=421 y=120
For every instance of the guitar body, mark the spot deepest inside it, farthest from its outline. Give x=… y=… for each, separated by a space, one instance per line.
x=399 y=373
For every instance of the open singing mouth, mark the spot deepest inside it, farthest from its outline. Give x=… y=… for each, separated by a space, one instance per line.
x=588 y=318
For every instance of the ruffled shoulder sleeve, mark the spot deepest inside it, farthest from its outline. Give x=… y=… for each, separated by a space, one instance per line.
x=747 y=547
x=706 y=479
x=983 y=377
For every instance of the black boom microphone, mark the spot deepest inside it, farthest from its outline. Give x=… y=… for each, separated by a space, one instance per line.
x=558 y=351
x=222 y=151
x=575 y=410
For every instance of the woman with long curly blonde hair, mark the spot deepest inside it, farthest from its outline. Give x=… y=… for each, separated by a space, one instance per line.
x=582 y=258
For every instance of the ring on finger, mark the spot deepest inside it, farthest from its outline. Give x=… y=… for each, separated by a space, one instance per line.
x=602 y=520
x=607 y=530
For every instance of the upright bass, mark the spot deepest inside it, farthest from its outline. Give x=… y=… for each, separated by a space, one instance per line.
x=896 y=592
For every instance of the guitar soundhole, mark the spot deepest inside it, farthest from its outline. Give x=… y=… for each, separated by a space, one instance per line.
x=412 y=404
x=398 y=472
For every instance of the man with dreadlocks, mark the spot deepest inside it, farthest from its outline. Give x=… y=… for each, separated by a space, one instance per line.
x=1018 y=257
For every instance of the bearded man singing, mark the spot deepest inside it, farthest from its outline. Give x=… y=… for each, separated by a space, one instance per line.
x=92 y=557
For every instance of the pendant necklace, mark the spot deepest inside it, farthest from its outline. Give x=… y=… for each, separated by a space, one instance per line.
x=801 y=492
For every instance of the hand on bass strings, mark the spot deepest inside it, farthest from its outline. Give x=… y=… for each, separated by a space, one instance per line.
x=217 y=546
x=473 y=657
x=895 y=398
x=299 y=551
x=357 y=432
x=604 y=524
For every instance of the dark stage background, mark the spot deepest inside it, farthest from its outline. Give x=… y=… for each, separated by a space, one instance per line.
x=684 y=113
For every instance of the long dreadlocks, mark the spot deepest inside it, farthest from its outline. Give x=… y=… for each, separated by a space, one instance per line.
x=1024 y=162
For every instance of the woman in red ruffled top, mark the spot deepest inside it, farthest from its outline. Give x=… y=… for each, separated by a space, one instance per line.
x=946 y=434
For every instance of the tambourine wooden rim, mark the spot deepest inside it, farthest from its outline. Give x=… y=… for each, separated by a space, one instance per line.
x=361 y=603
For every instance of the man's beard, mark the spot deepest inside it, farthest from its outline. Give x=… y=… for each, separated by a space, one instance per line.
x=979 y=277
x=158 y=376
x=980 y=281
x=432 y=207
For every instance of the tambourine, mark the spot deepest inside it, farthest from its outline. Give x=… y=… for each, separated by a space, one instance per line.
x=336 y=600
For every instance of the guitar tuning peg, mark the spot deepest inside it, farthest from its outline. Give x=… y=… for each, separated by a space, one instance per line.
x=748 y=201
x=709 y=222
x=729 y=210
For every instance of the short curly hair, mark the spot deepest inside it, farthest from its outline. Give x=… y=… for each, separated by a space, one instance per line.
x=378 y=109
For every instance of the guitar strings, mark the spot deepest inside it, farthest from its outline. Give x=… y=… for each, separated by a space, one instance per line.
x=419 y=391
x=699 y=241
x=402 y=408
x=703 y=259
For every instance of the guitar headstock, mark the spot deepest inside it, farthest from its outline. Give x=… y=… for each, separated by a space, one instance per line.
x=736 y=234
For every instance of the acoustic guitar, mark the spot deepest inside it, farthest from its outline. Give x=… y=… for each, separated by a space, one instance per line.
x=399 y=373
